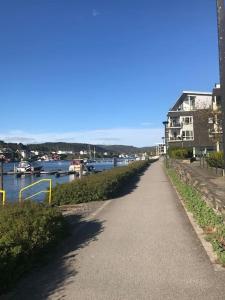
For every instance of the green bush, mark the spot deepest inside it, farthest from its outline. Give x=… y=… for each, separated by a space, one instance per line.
x=27 y=230
x=215 y=159
x=180 y=153
x=212 y=223
x=101 y=186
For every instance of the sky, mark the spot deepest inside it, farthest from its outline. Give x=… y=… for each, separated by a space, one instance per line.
x=101 y=72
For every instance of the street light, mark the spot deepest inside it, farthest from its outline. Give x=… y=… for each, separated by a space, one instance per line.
x=163 y=144
x=165 y=123
x=1 y=169
x=221 y=41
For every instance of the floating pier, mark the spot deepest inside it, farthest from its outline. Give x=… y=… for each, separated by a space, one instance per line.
x=35 y=173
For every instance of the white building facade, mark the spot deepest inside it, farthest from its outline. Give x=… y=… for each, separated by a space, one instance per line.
x=188 y=124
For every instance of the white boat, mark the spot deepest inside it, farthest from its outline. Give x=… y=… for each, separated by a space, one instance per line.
x=76 y=165
x=25 y=166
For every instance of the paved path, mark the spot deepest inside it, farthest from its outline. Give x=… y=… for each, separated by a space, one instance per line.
x=142 y=246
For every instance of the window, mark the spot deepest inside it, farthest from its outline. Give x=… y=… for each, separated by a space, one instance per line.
x=187 y=135
x=187 y=120
x=210 y=120
x=174 y=122
x=218 y=101
x=192 y=102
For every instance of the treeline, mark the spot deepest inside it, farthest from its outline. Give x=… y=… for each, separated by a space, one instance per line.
x=127 y=149
x=75 y=147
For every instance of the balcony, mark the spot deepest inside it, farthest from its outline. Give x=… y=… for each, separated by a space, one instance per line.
x=179 y=139
x=174 y=139
x=174 y=125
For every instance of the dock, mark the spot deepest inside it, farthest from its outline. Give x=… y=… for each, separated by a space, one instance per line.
x=39 y=173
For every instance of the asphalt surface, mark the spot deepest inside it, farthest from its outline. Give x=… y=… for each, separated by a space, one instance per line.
x=140 y=246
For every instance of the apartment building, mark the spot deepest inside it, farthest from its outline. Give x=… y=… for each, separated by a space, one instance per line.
x=188 y=122
x=160 y=149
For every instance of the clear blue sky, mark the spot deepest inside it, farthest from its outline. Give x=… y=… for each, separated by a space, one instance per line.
x=101 y=71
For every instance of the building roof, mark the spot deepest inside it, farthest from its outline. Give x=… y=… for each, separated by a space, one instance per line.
x=185 y=93
x=196 y=93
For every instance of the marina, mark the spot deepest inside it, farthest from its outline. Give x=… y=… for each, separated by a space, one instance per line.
x=57 y=171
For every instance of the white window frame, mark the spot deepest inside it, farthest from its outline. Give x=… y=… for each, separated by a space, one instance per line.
x=187 y=137
x=190 y=120
x=192 y=104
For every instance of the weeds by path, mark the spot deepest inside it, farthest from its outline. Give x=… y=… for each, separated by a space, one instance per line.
x=211 y=223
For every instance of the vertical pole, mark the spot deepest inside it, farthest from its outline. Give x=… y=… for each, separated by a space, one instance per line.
x=94 y=152
x=1 y=174
x=165 y=123
x=1 y=179
x=221 y=42
x=165 y=144
x=50 y=192
x=194 y=153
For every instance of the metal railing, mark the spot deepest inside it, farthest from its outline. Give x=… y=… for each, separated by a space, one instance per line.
x=3 y=196
x=179 y=139
x=175 y=125
x=49 y=191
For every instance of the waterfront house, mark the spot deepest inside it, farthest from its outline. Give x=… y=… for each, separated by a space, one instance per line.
x=160 y=149
x=188 y=122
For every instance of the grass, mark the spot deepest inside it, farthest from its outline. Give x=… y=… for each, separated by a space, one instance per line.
x=211 y=223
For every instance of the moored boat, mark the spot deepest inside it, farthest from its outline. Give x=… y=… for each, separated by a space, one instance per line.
x=76 y=166
x=25 y=166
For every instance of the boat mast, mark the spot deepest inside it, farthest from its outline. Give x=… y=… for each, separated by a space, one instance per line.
x=89 y=150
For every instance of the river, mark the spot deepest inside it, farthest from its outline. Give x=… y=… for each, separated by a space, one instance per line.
x=13 y=184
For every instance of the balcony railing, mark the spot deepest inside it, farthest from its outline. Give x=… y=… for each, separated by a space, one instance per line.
x=179 y=139
x=174 y=139
x=175 y=125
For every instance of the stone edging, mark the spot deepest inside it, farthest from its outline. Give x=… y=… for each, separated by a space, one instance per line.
x=208 y=190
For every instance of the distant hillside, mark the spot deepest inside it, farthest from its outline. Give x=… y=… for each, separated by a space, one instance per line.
x=75 y=147
x=119 y=148
x=126 y=149
x=147 y=149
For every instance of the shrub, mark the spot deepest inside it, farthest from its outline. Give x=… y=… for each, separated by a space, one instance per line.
x=27 y=230
x=180 y=153
x=101 y=186
x=215 y=159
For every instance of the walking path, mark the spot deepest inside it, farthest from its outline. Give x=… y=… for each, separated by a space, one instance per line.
x=141 y=246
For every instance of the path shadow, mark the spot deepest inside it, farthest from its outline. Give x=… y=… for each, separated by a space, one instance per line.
x=51 y=278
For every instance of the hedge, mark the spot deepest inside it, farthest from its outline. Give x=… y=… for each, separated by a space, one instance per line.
x=180 y=153
x=101 y=186
x=27 y=231
x=215 y=159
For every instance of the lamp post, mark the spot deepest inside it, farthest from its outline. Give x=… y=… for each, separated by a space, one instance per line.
x=1 y=172
x=163 y=143
x=221 y=41
x=165 y=123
